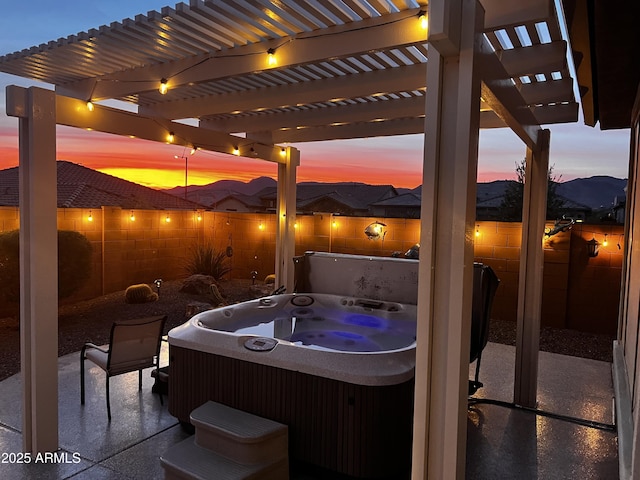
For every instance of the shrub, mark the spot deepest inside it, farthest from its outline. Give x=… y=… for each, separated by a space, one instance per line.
x=205 y=260
x=74 y=263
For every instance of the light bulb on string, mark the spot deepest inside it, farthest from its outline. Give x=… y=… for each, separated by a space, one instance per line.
x=164 y=86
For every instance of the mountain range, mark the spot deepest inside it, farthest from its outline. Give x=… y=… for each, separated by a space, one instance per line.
x=596 y=192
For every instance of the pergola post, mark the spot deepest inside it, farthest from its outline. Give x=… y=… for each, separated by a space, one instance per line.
x=36 y=109
x=534 y=211
x=446 y=243
x=286 y=218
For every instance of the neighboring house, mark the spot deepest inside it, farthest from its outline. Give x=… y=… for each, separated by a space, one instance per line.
x=346 y=198
x=238 y=202
x=82 y=187
x=406 y=205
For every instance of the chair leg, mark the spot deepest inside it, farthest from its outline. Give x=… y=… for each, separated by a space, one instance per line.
x=108 y=403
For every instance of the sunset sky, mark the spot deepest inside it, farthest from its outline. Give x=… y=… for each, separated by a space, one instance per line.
x=576 y=150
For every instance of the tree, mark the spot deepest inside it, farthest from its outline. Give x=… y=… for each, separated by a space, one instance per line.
x=511 y=206
x=74 y=263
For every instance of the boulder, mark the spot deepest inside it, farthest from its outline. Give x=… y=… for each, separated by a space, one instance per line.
x=198 y=284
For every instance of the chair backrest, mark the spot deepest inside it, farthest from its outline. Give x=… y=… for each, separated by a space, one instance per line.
x=485 y=284
x=134 y=344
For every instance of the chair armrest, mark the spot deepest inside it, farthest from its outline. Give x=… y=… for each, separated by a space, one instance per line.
x=93 y=345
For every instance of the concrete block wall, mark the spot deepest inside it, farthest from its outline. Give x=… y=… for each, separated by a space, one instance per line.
x=578 y=292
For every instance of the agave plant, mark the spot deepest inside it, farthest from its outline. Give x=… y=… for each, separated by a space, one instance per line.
x=205 y=260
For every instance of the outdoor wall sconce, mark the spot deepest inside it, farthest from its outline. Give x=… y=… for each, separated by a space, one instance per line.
x=158 y=283
x=592 y=248
x=375 y=230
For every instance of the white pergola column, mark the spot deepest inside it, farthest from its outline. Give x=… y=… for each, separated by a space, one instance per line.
x=446 y=241
x=286 y=219
x=534 y=212
x=36 y=109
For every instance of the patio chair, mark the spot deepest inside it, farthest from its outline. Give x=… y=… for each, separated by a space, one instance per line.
x=485 y=284
x=133 y=345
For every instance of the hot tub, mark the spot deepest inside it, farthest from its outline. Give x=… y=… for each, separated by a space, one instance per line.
x=337 y=370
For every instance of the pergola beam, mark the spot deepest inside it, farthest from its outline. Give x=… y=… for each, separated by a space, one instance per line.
x=544 y=58
x=504 y=98
x=379 y=33
x=398 y=79
x=402 y=126
x=501 y=14
x=74 y=113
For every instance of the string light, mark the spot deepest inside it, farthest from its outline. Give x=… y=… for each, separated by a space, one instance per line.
x=236 y=150
x=605 y=242
x=90 y=216
x=199 y=216
x=194 y=150
x=424 y=19
x=477 y=230
x=260 y=226
x=164 y=86
x=171 y=137
x=167 y=219
x=283 y=152
x=271 y=57
x=132 y=217
x=90 y=106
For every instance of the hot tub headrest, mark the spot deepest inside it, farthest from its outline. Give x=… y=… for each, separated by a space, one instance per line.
x=379 y=278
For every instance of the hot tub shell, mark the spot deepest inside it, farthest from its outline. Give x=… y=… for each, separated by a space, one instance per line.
x=348 y=412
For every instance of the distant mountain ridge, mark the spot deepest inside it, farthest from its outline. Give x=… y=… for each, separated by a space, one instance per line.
x=595 y=192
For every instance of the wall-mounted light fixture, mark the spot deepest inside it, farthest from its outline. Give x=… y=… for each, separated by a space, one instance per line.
x=375 y=230
x=592 y=247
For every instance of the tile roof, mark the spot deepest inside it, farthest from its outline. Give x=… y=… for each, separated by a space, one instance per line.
x=82 y=187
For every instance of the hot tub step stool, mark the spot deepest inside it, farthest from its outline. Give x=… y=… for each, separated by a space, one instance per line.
x=229 y=444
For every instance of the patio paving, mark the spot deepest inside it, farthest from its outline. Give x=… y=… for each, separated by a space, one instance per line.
x=502 y=442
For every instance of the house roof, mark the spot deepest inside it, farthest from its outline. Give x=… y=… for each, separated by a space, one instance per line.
x=354 y=195
x=343 y=69
x=408 y=199
x=82 y=187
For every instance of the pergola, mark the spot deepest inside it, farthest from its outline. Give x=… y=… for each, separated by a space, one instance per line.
x=258 y=75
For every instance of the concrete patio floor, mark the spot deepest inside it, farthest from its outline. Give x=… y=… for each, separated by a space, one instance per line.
x=502 y=442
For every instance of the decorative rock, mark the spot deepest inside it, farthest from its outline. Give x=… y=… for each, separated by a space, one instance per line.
x=198 y=284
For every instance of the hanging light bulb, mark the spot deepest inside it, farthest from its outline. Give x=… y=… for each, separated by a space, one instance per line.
x=167 y=219
x=424 y=19
x=90 y=106
x=236 y=150
x=132 y=217
x=194 y=150
x=164 y=87
x=90 y=217
x=605 y=242
x=283 y=152
x=171 y=137
x=477 y=230
x=271 y=57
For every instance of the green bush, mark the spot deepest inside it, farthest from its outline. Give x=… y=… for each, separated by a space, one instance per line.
x=205 y=260
x=74 y=263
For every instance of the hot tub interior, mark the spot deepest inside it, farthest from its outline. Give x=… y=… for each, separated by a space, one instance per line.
x=320 y=321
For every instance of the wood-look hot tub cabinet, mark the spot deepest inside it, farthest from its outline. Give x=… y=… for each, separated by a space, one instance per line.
x=358 y=430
